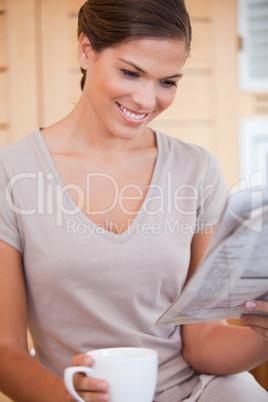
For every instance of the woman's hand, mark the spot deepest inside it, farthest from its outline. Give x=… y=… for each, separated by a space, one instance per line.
x=257 y=322
x=90 y=389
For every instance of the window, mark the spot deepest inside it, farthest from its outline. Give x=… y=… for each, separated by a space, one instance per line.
x=253 y=52
x=254 y=151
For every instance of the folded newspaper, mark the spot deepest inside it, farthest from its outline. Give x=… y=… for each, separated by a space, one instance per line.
x=234 y=268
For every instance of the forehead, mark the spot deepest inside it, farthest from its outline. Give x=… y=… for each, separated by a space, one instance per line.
x=149 y=53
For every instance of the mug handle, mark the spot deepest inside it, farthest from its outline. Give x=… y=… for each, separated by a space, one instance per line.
x=69 y=373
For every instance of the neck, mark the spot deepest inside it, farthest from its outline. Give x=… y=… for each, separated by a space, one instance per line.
x=84 y=133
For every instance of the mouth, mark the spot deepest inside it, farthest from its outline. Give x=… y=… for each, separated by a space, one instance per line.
x=130 y=115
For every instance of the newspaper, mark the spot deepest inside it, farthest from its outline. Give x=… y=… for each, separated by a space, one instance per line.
x=234 y=268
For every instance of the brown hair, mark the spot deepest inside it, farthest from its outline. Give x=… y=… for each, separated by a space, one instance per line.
x=108 y=23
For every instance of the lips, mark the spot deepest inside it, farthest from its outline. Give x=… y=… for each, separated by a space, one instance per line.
x=129 y=114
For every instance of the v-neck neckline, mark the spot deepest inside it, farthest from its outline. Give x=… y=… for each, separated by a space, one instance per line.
x=130 y=231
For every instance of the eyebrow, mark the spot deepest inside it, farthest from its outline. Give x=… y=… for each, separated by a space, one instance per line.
x=179 y=75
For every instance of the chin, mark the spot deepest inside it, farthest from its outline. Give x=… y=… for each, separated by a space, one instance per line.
x=128 y=133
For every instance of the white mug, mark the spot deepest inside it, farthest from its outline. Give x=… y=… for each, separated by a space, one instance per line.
x=130 y=372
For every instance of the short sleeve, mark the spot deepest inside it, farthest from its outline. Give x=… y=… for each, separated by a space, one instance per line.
x=213 y=194
x=9 y=231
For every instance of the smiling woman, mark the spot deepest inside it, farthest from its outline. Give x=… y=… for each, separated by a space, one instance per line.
x=132 y=20
x=126 y=89
x=103 y=219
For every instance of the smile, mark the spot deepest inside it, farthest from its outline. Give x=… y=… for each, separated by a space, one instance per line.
x=131 y=114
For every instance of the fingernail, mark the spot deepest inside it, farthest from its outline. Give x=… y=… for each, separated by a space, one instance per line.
x=244 y=317
x=101 y=386
x=250 y=305
x=87 y=360
x=103 y=397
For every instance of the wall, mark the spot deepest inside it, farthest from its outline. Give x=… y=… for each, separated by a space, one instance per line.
x=40 y=76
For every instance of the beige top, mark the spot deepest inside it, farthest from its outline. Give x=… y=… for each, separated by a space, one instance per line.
x=89 y=288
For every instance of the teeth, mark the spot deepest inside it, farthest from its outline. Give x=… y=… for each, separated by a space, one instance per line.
x=132 y=115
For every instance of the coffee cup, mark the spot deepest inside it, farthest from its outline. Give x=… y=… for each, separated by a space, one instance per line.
x=131 y=373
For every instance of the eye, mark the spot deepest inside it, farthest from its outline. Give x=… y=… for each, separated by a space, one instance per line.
x=129 y=74
x=169 y=83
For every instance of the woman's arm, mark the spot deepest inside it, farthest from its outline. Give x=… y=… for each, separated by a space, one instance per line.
x=216 y=347
x=22 y=378
x=219 y=348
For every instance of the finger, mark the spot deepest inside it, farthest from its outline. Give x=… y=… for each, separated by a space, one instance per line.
x=90 y=389
x=82 y=360
x=258 y=323
x=257 y=305
x=90 y=397
x=256 y=320
x=84 y=383
x=93 y=396
x=261 y=331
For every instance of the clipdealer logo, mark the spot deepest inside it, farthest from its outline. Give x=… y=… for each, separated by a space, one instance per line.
x=166 y=227
x=46 y=196
x=253 y=192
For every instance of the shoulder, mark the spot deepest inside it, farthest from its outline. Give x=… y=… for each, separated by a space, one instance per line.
x=25 y=145
x=187 y=154
x=21 y=154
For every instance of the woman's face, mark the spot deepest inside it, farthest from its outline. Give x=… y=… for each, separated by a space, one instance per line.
x=129 y=85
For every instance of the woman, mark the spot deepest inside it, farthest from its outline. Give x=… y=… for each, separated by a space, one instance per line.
x=102 y=220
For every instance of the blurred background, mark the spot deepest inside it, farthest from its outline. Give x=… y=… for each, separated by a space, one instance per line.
x=221 y=103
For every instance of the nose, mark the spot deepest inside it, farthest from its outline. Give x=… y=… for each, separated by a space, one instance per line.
x=145 y=96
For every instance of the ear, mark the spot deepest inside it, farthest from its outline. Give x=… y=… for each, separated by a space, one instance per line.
x=85 y=51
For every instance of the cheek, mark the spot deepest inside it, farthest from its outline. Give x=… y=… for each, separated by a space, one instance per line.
x=103 y=84
x=114 y=87
x=167 y=99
